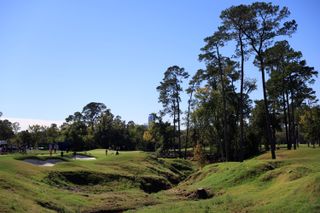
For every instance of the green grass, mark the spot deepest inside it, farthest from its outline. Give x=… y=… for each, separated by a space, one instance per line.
x=124 y=182
x=289 y=184
x=116 y=182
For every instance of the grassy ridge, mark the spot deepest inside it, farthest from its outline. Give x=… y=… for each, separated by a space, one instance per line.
x=124 y=182
x=289 y=184
x=110 y=182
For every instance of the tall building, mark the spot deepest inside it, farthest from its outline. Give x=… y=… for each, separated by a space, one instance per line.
x=151 y=118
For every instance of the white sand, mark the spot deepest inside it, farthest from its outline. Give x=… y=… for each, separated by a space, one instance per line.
x=49 y=162
x=82 y=157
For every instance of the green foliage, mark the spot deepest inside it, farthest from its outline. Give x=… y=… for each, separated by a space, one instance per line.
x=159 y=136
x=309 y=122
x=6 y=130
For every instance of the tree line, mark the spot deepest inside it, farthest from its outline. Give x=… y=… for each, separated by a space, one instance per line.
x=94 y=127
x=221 y=121
x=223 y=117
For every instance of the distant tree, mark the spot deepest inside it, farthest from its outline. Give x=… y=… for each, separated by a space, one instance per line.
x=104 y=129
x=74 y=131
x=25 y=140
x=76 y=117
x=92 y=111
x=309 y=121
x=16 y=127
x=169 y=95
x=97 y=127
x=159 y=137
x=149 y=140
x=135 y=134
x=52 y=133
x=75 y=135
x=38 y=134
x=119 y=136
x=6 y=130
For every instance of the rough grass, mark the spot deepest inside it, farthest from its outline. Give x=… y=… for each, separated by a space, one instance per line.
x=112 y=182
x=289 y=184
x=140 y=182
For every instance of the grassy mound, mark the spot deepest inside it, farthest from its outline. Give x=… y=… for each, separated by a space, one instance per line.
x=289 y=184
x=140 y=182
x=112 y=182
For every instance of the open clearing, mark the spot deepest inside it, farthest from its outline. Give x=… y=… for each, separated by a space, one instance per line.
x=139 y=182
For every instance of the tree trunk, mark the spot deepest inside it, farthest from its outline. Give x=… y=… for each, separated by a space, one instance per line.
x=187 y=140
x=293 y=125
x=221 y=147
x=241 y=100
x=274 y=129
x=285 y=108
x=290 y=123
x=174 y=127
x=268 y=123
x=285 y=119
x=226 y=143
x=297 y=136
x=179 y=132
x=188 y=124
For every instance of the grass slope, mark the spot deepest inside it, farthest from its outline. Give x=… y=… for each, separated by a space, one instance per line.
x=289 y=184
x=113 y=182
x=125 y=182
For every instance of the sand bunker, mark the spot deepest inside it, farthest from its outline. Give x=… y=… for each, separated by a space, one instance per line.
x=82 y=157
x=48 y=162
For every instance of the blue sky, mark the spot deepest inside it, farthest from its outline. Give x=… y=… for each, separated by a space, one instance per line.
x=58 y=55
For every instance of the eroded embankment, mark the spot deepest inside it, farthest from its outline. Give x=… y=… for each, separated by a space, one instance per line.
x=163 y=176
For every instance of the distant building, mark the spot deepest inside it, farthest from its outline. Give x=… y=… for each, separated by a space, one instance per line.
x=3 y=142
x=3 y=147
x=151 y=118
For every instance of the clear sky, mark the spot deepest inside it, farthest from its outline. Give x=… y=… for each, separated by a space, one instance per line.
x=58 y=55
